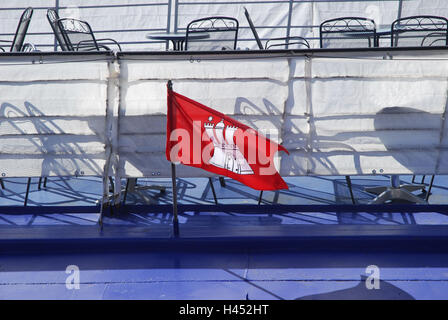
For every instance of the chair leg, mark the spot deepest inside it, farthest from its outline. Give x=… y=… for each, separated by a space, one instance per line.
x=213 y=189
x=25 y=202
x=423 y=179
x=222 y=182
x=260 y=197
x=126 y=191
x=40 y=182
x=429 y=188
x=111 y=182
x=413 y=179
x=2 y=184
x=349 y=185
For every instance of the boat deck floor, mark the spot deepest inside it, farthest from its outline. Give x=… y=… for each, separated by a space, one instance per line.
x=220 y=253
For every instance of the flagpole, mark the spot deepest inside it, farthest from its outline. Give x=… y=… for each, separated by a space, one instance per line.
x=173 y=179
x=175 y=218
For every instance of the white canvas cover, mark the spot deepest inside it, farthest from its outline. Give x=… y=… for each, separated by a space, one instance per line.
x=52 y=117
x=338 y=113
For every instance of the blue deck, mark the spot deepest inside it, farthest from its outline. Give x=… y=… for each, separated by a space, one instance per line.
x=226 y=254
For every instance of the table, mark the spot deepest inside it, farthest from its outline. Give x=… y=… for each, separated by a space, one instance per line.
x=177 y=38
x=379 y=33
x=383 y=32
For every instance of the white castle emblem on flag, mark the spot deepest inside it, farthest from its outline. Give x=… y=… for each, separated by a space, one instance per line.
x=226 y=154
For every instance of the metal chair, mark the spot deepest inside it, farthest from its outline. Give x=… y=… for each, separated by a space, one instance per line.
x=287 y=43
x=416 y=31
x=434 y=39
x=223 y=34
x=53 y=17
x=78 y=36
x=17 y=45
x=348 y=32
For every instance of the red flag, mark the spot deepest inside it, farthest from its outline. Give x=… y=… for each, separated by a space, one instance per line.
x=201 y=137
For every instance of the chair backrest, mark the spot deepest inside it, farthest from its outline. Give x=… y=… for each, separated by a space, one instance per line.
x=434 y=39
x=287 y=43
x=22 y=28
x=348 y=32
x=222 y=31
x=53 y=17
x=252 y=27
x=77 y=34
x=416 y=31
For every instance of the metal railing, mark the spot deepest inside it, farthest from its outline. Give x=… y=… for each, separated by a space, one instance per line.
x=130 y=22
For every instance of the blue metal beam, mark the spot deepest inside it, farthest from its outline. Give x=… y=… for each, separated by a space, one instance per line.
x=236 y=208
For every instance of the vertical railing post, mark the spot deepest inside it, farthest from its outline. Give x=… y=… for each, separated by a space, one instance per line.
x=288 y=27
x=176 y=14
x=168 y=22
x=173 y=171
x=55 y=42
